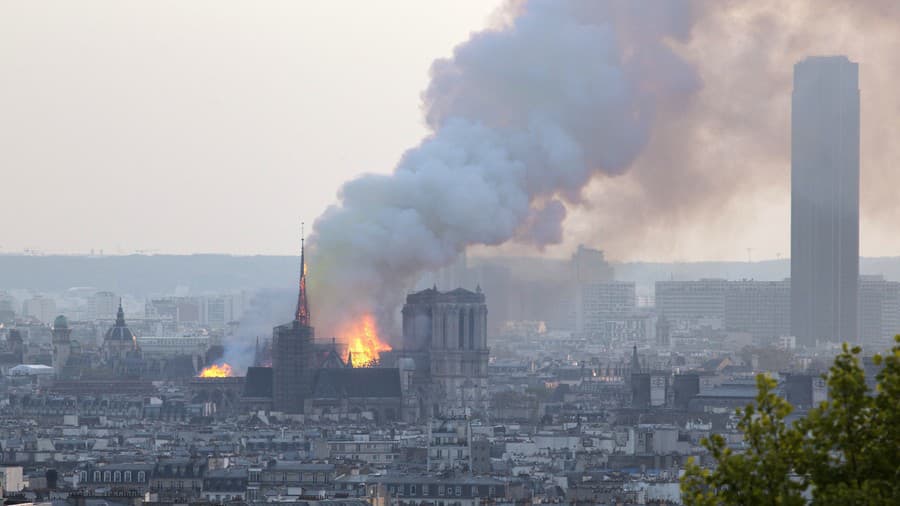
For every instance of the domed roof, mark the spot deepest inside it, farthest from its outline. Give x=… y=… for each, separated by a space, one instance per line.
x=119 y=331
x=60 y=322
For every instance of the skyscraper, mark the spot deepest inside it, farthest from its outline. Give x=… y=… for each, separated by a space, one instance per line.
x=825 y=199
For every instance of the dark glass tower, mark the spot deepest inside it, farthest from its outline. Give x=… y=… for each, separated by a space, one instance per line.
x=825 y=200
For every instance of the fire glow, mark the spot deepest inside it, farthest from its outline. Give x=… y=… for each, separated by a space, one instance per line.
x=216 y=371
x=363 y=344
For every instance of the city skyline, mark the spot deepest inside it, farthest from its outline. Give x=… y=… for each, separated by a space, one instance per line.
x=449 y=253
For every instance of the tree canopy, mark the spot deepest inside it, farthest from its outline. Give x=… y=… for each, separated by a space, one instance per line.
x=845 y=451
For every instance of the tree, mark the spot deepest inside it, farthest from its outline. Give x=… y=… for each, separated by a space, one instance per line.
x=846 y=451
x=761 y=474
x=850 y=451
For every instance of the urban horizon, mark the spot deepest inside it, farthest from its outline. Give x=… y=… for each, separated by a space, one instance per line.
x=507 y=305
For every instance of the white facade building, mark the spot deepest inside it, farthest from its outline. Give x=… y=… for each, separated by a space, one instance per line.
x=40 y=308
x=161 y=347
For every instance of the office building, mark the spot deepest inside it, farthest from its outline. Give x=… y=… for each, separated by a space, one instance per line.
x=597 y=304
x=40 y=308
x=879 y=311
x=825 y=200
x=760 y=308
x=691 y=301
x=102 y=305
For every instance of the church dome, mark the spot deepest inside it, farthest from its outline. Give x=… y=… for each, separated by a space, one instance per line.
x=119 y=331
x=60 y=322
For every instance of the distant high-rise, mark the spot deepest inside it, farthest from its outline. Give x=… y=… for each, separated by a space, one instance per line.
x=102 y=305
x=825 y=199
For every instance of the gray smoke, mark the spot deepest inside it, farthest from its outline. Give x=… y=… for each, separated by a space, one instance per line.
x=714 y=178
x=523 y=116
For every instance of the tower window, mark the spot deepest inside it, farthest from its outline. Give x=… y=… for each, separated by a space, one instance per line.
x=462 y=328
x=471 y=329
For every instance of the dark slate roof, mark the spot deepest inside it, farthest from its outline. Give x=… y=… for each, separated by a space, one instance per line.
x=258 y=382
x=181 y=366
x=119 y=331
x=357 y=383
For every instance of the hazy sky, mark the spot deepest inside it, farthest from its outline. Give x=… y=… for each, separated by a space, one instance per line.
x=217 y=126
x=205 y=126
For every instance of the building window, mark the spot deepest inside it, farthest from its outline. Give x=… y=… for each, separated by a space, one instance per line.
x=82 y=476
x=128 y=476
x=458 y=491
x=141 y=476
x=471 y=329
x=462 y=328
x=117 y=476
x=444 y=330
x=107 y=476
x=412 y=490
x=491 y=491
x=440 y=490
x=96 y=476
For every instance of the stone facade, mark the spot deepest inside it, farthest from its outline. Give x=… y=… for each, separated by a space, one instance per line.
x=446 y=333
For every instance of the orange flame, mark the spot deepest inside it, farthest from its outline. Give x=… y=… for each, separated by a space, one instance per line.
x=216 y=371
x=364 y=347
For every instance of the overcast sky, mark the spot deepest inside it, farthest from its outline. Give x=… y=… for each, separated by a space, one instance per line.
x=216 y=126
x=205 y=126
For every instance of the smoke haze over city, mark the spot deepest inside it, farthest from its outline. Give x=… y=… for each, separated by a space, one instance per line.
x=449 y=252
x=709 y=157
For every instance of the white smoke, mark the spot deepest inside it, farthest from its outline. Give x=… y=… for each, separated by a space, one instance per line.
x=523 y=117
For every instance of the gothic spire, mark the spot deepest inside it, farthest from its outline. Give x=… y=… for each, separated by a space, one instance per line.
x=120 y=315
x=302 y=314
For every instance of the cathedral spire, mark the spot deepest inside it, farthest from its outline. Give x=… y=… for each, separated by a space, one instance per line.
x=120 y=315
x=302 y=314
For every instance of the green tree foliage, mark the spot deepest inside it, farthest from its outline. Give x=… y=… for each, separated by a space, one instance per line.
x=758 y=475
x=846 y=451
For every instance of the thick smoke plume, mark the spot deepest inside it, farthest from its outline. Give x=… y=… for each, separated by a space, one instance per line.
x=714 y=179
x=656 y=130
x=523 y=117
